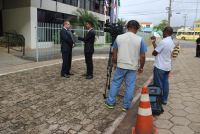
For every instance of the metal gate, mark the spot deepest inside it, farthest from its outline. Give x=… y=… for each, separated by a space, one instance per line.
x=48 y=38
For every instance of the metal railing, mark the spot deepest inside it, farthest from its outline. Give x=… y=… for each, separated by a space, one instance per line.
x=48 y=38
x=9 y=38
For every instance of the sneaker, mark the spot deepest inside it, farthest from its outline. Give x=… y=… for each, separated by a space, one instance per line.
x=124 y=109
x=164 y=102
x=109 y=106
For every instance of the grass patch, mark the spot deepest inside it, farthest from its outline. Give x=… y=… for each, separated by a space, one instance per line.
x=95 y=45
x=190 y=39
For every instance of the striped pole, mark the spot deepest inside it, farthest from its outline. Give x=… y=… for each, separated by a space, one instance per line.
x=144 y=123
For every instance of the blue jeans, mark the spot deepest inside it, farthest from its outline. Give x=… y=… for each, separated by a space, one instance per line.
x=161 y=79
x=130 y=77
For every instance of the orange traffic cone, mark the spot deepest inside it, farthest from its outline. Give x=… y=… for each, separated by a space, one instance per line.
x=170 y=75
x=144 y=124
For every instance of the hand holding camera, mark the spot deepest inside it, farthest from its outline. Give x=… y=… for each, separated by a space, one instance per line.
x=153 y=39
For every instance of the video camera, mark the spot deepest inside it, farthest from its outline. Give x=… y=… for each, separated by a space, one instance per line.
x=114 y=29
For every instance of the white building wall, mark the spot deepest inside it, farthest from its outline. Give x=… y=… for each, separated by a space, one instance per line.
x=24 y=19
x=144 y=25
x=33 y=21
x=18 y=19
x=63 y=8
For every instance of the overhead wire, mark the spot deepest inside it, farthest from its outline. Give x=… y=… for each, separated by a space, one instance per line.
x=141 y=3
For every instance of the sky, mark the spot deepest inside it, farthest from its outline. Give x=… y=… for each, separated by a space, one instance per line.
x=155 y=11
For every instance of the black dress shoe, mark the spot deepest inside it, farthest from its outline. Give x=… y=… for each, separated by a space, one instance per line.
x=85 y=74
x=89 y=77
x=65 y=75
x=70 y=73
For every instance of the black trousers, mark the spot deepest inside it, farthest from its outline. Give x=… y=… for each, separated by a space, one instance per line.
x=198 y=50
x=67 y=59
x=89 y=62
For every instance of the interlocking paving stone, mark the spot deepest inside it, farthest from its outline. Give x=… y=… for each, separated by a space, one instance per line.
x=188 y=99
x=197 y=97
x=177 y=106
x=176 y=100
x=167 y=115
x=191 y=104
x=194 y=117
x=192 y=110
x=47 y=103
x=186 y=94
x=166 y=108
x=181 y=121
x=195 y=126
x=185 y=83
x=163 y=131
x=184 y=90
x=181 y=130
x=178 y=112
x=165 y=124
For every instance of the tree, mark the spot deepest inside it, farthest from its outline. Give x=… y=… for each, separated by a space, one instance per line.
x=121 y=21
x=82 y=16
x=161 y=26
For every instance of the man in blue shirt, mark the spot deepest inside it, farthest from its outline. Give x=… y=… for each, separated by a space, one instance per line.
x=128 y=50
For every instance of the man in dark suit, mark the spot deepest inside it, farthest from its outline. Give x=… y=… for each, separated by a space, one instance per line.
x=88 y=49
x=66 y=48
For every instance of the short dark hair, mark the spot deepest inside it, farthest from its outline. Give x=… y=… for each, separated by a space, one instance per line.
x=90 y=22
x=169 y=30
x=65 y=22
x=133 y=24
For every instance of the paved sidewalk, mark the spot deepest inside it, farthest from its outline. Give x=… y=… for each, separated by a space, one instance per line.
x=35 y=99
x=10 y=60
x=182 y=112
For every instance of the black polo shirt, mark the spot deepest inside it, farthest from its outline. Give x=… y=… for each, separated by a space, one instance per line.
x=198 y=41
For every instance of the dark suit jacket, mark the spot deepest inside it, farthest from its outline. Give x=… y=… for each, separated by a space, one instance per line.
x=66 y=41
x=89 y=41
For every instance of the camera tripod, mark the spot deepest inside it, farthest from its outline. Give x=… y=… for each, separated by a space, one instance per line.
x=109 y=69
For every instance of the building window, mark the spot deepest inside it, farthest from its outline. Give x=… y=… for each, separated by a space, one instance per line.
x=101 y=11
x=50 y=17
x=108 y=11
x=148 y=26
x=74 y=3
x=1 y=23
x=41 y=14
x=82 y=4
x=92 y=5
x=60 y=1
x=67 y=2
x=87 y=4
x=97 y=6
x=59 y=18
x=45 y=16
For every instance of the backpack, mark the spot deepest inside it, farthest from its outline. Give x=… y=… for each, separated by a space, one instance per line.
x=155 y=95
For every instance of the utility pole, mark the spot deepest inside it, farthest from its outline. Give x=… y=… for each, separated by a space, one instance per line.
x=195 y=21
x=169 y=12
x=185 y=18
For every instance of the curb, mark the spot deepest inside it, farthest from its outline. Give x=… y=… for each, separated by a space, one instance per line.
x=49 y=65
x=120 y=118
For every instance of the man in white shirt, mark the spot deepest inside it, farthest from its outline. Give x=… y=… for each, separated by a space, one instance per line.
x=162 y=64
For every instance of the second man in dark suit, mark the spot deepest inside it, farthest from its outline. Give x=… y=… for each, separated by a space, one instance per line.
x=88 y=49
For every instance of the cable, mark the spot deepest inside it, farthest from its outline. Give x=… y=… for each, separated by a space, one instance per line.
x=176 y=4
x=189 y=9
x=141 y=14
x=141 y=3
